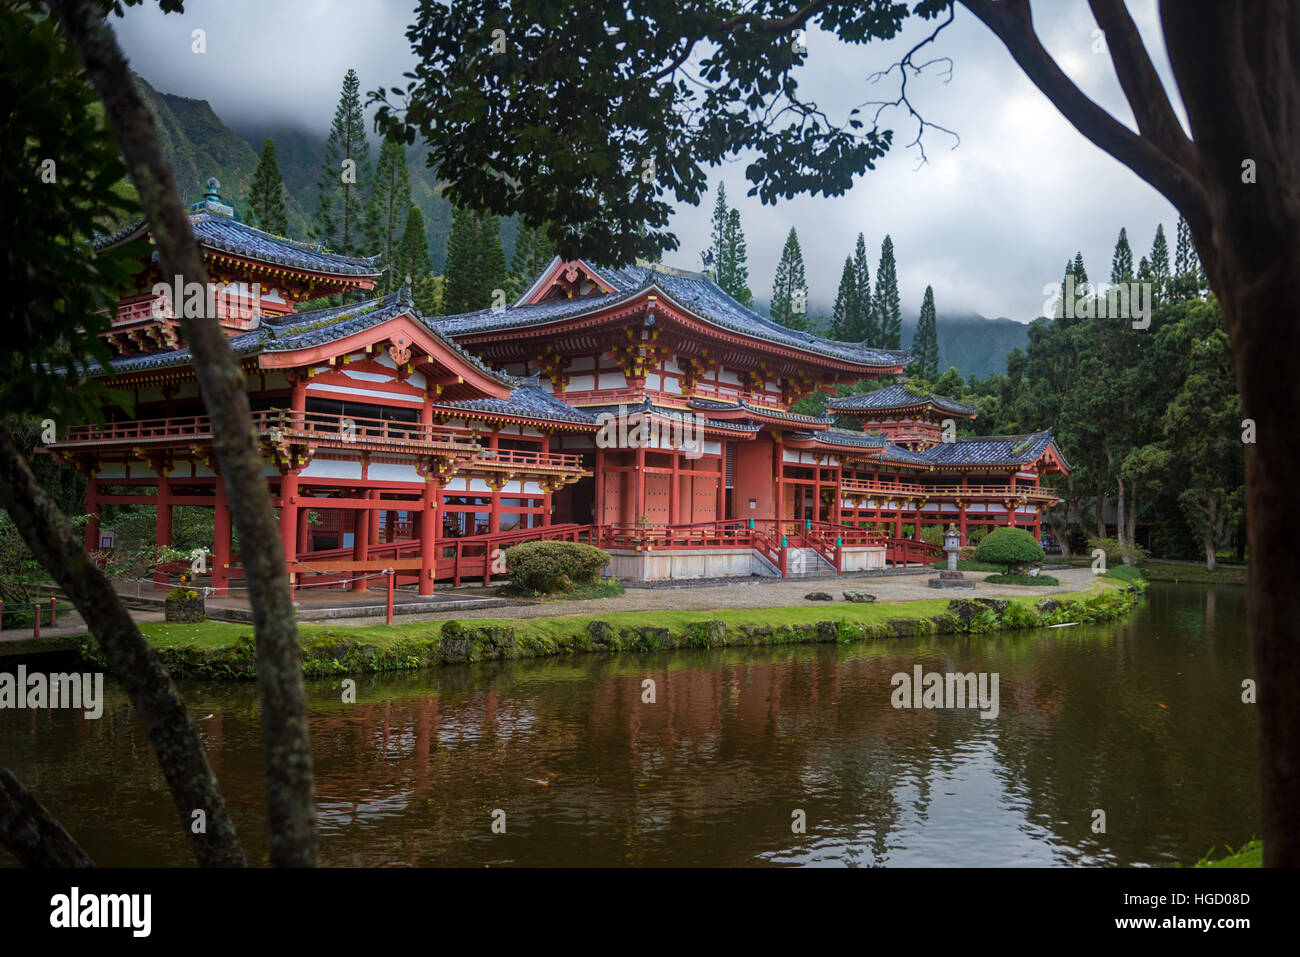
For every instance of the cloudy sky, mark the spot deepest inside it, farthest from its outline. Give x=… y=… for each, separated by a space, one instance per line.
x=987 y=223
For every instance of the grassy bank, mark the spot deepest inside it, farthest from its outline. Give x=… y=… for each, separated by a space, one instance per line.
x=1193 y=573
x=225 y=650
x=1249 y=855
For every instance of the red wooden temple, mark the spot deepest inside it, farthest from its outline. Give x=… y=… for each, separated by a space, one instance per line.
x=425 y=444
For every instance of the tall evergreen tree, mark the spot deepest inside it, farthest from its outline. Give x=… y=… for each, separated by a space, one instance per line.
x=1188 y=276
x=533 y=252
x=790 y=287
x=867 y=329
x=492 y=260
x=718 y=235
x=1160 y=266
x=845 y=314
x=735 y=280
x=889 y=308
x=266 y=194
x=1080 y=274
x=412 y=261
x=340 y=216
x=460 y=291
x=925 y=344
x=388 y=210
x=1121 y=263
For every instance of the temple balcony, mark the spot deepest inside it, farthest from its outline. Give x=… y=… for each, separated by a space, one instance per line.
x=998 y=493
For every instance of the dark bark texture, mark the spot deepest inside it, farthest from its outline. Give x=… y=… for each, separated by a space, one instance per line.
x=1237 y=67
x=155 y=698
x=31 y=833
x=290 y=801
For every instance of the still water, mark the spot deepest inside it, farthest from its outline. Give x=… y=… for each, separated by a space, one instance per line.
x=1142 y=720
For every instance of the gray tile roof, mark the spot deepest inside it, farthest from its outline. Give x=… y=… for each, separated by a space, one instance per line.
x=897 y=396
x=716 y=405
x=225 y=233
x=527 y=401
x=693 y=292
x=844 y=437
x=648 y=406
x=1001 y=450
x=300 y=330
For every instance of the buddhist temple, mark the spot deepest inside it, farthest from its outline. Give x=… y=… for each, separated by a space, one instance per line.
x=640 y=409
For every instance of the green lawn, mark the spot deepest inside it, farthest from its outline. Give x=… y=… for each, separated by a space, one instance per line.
x=1250 y=855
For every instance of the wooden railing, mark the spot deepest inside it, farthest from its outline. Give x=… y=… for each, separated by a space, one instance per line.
x=850 y=486
x=328 y=429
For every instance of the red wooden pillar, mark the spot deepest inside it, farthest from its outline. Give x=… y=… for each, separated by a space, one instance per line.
x=428 y=535
x=674 y=503
x=92 y=515
x=598 y=468
x=961 y=519
x=304 y=525
x=163 y=524
x=838 y=506
x=722 y=484
x=546 y=485
x=361 y=540
x=494 y=508
x=898 y=518
x=640 y=482
x=289 y=518
x=220 y=538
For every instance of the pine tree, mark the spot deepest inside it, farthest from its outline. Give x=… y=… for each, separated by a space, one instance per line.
x=925 y=344
x=735 y=282
x=846 y=311
x=790 y=287
x=388 y=209
x=1121 y=263
x=718 y=236
x=492 y=261
x=460 y=292
x=533 y=253
x=412 y=261
x=867 y=329
x=1160 y=265
x=1187 y=280
x=344 y=174
x=266 y=194
x=1080 y=274
x=1144 y=274
x=889 y=309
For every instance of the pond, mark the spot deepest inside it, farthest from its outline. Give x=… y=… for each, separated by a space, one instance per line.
x=1141 y=720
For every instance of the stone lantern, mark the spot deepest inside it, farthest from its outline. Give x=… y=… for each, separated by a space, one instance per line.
x=950 y=577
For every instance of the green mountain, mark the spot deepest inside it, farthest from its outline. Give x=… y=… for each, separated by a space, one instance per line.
x=976 y=345
x=199 y=144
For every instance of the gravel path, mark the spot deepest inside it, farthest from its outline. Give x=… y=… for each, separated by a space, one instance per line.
x=758 y=594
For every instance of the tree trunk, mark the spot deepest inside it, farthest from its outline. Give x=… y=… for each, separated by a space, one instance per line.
x=31 y=832
x=1133 y=513
x=1121 y=525
x=156 y=701
x=290 y=801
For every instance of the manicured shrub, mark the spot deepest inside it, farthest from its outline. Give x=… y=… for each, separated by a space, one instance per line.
x=548 y=567
x=1044 y=581
x=1013 y=548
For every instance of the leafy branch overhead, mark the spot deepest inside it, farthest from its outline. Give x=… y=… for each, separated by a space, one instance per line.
x=598 y=119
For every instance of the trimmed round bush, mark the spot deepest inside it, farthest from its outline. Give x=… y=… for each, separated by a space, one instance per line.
x=1013 y=548
x=554 y=566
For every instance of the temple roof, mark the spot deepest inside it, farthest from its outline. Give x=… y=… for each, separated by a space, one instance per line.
x=992 y=450
x=762 y=411
x=843 y=437
x=302 y=330
x=897 y=396
x=693 y=293
x=648 y=406
x=526 y=401
x=221 y=231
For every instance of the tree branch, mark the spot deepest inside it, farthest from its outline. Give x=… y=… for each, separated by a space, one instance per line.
x=290 y=802
x=31 y=832
x=1012 y=22
x=157 y=703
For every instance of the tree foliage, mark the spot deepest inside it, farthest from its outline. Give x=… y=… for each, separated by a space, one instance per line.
x=266 y=194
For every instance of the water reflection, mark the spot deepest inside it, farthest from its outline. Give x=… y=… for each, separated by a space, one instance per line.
x=1142 y=720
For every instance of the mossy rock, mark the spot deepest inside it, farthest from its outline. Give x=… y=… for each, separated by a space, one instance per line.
x=645 y=639
x=602 y=635
x=500 y=636
x=966 y=608
x=457 y=649
x=1045 y=606
x=946 y=624
x=905 y=627
x=999 y=605
x=827 y=631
